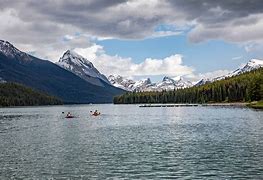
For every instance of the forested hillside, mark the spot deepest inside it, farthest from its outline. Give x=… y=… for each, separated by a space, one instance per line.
x=12 y=94
x=242 y=88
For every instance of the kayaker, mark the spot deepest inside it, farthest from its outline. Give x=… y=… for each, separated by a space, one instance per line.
x=69 y=115
x=95 y=113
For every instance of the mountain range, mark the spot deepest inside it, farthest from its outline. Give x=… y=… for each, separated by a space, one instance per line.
x=146 y=84
x=176 y=83
x=45 y=76
x=75 y=79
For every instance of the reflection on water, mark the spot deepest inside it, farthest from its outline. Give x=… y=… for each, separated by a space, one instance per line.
x=131 y=142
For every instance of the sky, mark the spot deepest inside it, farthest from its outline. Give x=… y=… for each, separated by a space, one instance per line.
x=140 y=38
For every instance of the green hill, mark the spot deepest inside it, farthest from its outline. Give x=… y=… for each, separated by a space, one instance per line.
x=12 y=94
x=246 y=87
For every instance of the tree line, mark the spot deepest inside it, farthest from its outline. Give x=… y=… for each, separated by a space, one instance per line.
x=13 y=94
x=245 y=87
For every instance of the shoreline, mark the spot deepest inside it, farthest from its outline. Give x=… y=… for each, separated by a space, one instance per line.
x=239 y=104
x=253 y=105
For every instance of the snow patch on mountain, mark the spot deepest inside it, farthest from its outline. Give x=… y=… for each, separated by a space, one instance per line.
x=173 y=83
x=82 y=67
x=143 y=85
x=202 y=82
x=121 y=82
x=10 y=51
x=178 y=82
x=147 y=85
x=251 y=65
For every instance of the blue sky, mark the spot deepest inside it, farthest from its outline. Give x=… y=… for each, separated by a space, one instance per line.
x=205 y=56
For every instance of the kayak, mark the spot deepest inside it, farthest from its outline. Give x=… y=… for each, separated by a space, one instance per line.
x=95 y=114
x=69 y=116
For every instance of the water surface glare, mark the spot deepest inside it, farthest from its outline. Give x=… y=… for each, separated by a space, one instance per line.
x=131 y=142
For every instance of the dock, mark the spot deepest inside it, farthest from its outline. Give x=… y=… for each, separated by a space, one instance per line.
x=191 y=105
x=169 y=105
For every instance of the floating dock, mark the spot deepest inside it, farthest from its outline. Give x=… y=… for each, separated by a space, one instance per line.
x=191 y=105
x=169 y=105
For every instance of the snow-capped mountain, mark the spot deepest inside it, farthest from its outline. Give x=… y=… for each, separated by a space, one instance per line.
x=143 y=85
x=146 y=85
x=129 y=84
x=171 y=84
x=251 y=65
x=12 y=52
x=202 y=82
x=82 y=67
x=45 y=76
x=121 y=82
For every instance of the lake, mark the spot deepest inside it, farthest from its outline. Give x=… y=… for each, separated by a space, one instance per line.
x=130 y=142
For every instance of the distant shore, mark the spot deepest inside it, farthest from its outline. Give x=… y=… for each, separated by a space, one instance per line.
x=240 y=104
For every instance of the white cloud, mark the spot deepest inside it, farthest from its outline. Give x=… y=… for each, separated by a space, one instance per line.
x=166 y=33
x=53 y=51
x=253 y=47
x=68 y=37
x=171 y=66
x=209 y=75
x=237 y=57
x=91 y=52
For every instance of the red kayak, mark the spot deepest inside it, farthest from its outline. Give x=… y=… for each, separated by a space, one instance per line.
x=95 y=114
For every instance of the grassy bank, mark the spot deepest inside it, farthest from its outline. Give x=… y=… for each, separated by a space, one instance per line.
x=256 y=105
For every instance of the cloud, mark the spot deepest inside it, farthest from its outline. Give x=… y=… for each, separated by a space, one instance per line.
x=165 y=33
x=209 y=75
x=47 y=25
x=135 y=19
x=237 y=57
x=171 y=66
x=91 y=52
x=52 y=51
x=230 y=31
x=253 y=47
x=214 y=74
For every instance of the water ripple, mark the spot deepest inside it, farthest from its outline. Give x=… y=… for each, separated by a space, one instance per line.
x=184 y=143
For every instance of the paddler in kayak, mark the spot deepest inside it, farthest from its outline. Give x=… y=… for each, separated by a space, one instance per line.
x=95 y=113
x=69 y=115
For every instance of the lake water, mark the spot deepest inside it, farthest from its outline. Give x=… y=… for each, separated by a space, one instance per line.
x=131 y=142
